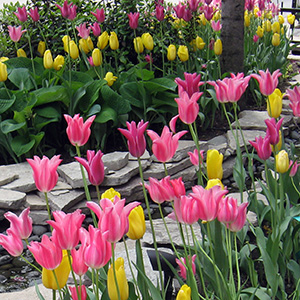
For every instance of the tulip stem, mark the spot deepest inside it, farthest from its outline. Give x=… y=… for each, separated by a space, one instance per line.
x=165 y=168
x=48 y=207
x=54 y=294
x=73 y=275
x=98 y=192
x=295 y=187
x=237 y=263
x=30 y=49
x=114 y=270
x=29 y=263
x=56 y=280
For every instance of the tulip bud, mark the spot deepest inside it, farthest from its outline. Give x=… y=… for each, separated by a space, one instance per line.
x=110 y=194
x=276 y=27
x=74 y=52
x=203 y=19
x=199 y=43
x=97 y=57
x=276 y=40
x=147 y=41
x=66 y=40
x=113 y=41
x=184 y=293
x=103 y=40
x=260 y=31
x=171 y=52
x=138 y=45
x=110 y=78
x=280 y=19
x=291 y=19
x=267 y=26
x=58 y=63
x=83 y=46
x=274 y=104
x=48 y=60
x=3 y=72
x=213 y=182
x=183 y=53
x=3 y=59
x=214 y=162
x=137 y=226
x=218 y=47
x=21 y=53
x=282 y=161
x=41 y=48
x=121 y=281
x=247 y=20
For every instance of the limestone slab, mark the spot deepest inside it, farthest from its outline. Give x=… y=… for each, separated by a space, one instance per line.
x=39 y=217
x=7 y=175
x=115 y=160
x=11 y=199
x=35 y=202
x=252 y=120
x=219 y=143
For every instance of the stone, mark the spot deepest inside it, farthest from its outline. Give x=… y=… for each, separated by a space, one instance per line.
x=5 y=259
x=145 y=156
x=219 y=143
x=7 y=175
x=19 y=262
x=39 y=217
x=228 y=165
x=39 y=230
x=115 y=160
x=35 y=202
x=10 y=199
x=252 y=120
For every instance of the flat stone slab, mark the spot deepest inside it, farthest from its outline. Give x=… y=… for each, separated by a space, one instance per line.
x=11 y=199
x=35 y=202
x=7 y=175
x=115 y=160
x=219 y=143
x=252 y=120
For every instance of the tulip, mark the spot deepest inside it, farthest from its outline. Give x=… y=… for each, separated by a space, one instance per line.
x=194 y=157
x=96 y=29
x=3 y=72
x=282 y=162
x=291 y=19
x=267 y=26
x=260 y=31
x=68 y=11
x=262 y=146
x=11 y=243
x=255 y=38
x=240 y=220
x=247 y=20
x=20 y=226
x=186 y=210
x=97 y=57
x=147 y=40
x=78 y=131
x=99 y=14
x=214 y=162
x=190 y=84
x=15 y=33
x=103 y=40
x=184 y=293
x=199 y=43
x=273 y=130
x=216 y=26
x=62 y=274
x=274 y=104
x=203 y=19
x=294 y=96
x=135 y=137
x=94 y=166
x=187 y=15
x=208 y=12
x=218 y=47
x=133 y=20
x=34 y=14
x=179 y=10
x=45 y=172
x=121 y=281
x=276 y=27
x=110 y=194
x=228 y=210
x=171 y=52
x=276 y=40
x=41 y=48
x=294 y=168
x=48 y=60
x=74 y=52
x=137 y=225
x=280 y=19
x=82 y=292
x=165 y=146
x=21 y=53
x=83 y=32
x=213 y=182
x=113 y=41
x=3 y=59
x=182 y=265
x=66 y=41
x=46 y=253
x=72 y=12
x=21 y=14
x=267 y=81
x=83 y=46
x=58 y=63
x=138 y=45
x=78 y=263
x=183 y=53
x=98 y=251
x=110 y=78
x=159 y=12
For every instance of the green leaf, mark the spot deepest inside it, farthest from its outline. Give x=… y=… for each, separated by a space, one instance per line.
x=10 y=126
x=51 y=94
x=160 y=85
x=21 y=145
x=130 y=92
x=260 y=293
x=91 y=294
x=50 y=111
x=21 y=78
x=106 y=114
x=5 y=104
x=144 y=74
x=37 y=290
x=26 y=63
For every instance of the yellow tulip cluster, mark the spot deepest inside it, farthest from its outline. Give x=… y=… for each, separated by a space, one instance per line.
x=49 y=63
x=145 y=41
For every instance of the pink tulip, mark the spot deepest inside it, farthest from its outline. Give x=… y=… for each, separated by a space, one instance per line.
x=94 y=166
x=135 y=137
x=216 y=26
x=194 y=157
x=193 y=5
x=294 y=168
x=34 y=14
x=45 y=172
x=21 y=14
x=228 y=210
x=273 y=130
x=90 y=60
x=15 y=33
x=190 y=84
x=11 y=243
x=267 y=81
x=78 y=263
x=240 y=221
x=72 y=12
x=159 y=11
x=178 y=188
x=165 y=146
x=46 y=253
x=294 y=96
x=249 y=4
x=230 y=89
x=78 y=131
x=186 y=210
x=208 y=1
x=187 y=16
x=98 y=251
x=20 y=226
x=208 y=12
x=261 y=5
x=188 y=107
x=262 y=146
x=82 y=292
x=255 y=38
x=66 y=228
x=148 y=58
x=99 y=14
x=182 y=265
x=133 y=20
x=68 y=11
x=96 y=29
x=179 y=10
x=83 y=32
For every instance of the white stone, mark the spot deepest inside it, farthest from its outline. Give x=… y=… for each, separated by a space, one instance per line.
x=115 y=160
x=11 y=199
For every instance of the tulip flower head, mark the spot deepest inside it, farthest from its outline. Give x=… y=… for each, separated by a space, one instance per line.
x=97 y=57
x=194 y=157
x=68 y=11
x=41 y=48
x=21 y=14
x=59 y=62
x=138 y=45
x=48 y=59
x=190 y=84
x=293 y=168
x=133 y=20
x=240 y=220
x=184 y=293
x=99 y=14
x=78 y=263
x=11 y=243
x=182 y=265
x=82 y=292
x=74 y=52
x=21 y=53
x=159 y=12
x=216 y=26
x=294 y=97
x=199 y=43
x=3 y=72
x=179 y=10
x=34 y=14
x=96 y=29
x=147 y=40
x=187 y=16
x=276 y=40
x=83 y=32
x=262 y=147
x=110 y=194
x=113 y=41
x=213 y=182
x=15 y=33
x=183 y=53
x=274 y=104
x=110 y=78
x=218 y=47
x=273 y=130
x=228 y=210
x=282 y=162
x=171 y=52
x=214 y=162
x=208 y=12
x=137 y=225
x=291 y=19
x=103 y=40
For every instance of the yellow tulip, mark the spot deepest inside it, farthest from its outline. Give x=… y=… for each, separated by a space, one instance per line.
x=183 y=53
x=21 y=53
x=214 y=162
x=247 y=20
x=203 y=19
x=74 y=52
x=110 y=78
x=217 y=15
x=274 y=104
x=199 y=43
x=48 y=60
x=276 y=39
x=62 y=273
x=291 y=19
x=110 y=193
x=171 y=52
x=103 y=40
x=113 y=41
x=267 y=26
x=281 y=19
x=282 y=31
x=184 y=293
x=121 y=281
x=90 y=43
x=137 y=226
x=218 y=47
x=213 y=182
x=260 y=31
x=276 y=27
x=282 y=161
x=138 y=45
x=256 y=11
x=147 y=40
x=41 y=48
x=83 y=46
x=58 y=63
x=3 y=59
x=268 y=15
x=3 y=72
x=97 y=57
x=66 y=40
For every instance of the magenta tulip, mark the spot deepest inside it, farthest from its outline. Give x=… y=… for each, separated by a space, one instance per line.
x=262 y=147
x=194 y=157
x=159 y=12
x=68 y=11
x=96 y=29
x=78 y=131
x=273 y=130
x=21 y=14
x=11 y=243
x=193 y=5
x=72 y=12
x=20 y=226
x=94 y=166
x=34 y=14
x=179 y=10
x=15 y=33
x=240 y=221
x=99 y=14
x=187 y=16
x=293 y=168
x=135 y=137
x=190 y=84
x=83 y=32
x=228 y=210
x=82 y=292
x=66 y=228
x=45 y=172
x=208 y=12
x=186 y=210
x=294 y=96
x=133 y=20
x=182 y=265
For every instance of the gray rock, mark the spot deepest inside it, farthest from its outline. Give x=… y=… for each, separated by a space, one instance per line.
x=18 y=262
x=295 y=135
x=35 y=202
x=115 y=160
x=252 y=120
x=228 y=167
x=219 y=143
x=11 y=199
x=145 y=156
x=7 y=175
x=5 y=259
x=39 y=230
x=39 y=217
